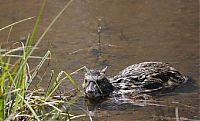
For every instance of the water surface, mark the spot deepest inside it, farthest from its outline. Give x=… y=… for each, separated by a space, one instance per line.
x=133 y=31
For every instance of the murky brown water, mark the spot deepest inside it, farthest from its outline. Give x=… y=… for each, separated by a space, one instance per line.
x=132 y=31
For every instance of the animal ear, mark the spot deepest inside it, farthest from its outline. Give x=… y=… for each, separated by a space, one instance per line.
x=86 y=70
x=104 y=70
x=84 y=84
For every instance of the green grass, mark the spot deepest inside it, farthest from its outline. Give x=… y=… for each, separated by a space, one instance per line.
x=17 y=102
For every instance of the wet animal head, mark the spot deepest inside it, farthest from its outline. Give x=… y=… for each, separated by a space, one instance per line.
x=96 y=85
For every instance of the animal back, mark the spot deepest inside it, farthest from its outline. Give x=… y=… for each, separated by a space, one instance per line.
x=147 y=77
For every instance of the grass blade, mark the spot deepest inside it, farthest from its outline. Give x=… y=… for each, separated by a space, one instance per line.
x=10 y=25
x=72 y=81
x=31 y=109
x=1 y=106
x=31 y=39
x=40 y=65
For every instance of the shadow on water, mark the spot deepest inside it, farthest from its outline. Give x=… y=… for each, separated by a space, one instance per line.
x=158 y=104
x=111 y=103
x=189 y=87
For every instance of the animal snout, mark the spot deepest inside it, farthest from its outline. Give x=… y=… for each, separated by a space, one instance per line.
x=90 y=94
x=90 y=90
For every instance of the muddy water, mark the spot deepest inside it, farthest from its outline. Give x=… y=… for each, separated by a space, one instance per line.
x=132 y=31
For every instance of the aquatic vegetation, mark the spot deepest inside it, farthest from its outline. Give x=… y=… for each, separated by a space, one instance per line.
x=17 y=101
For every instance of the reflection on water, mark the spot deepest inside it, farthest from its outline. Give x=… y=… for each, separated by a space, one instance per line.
x=163 y=106
x=132 y=31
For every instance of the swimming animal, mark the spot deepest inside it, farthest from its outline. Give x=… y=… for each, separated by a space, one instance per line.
x=145 y=77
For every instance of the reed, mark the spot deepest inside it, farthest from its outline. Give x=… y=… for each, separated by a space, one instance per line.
x=17 y=101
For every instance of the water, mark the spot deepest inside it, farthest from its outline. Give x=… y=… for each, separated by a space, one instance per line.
x=132 y=31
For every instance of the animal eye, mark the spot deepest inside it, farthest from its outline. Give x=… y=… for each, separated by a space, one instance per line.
x=85 y=80
x=84 y=83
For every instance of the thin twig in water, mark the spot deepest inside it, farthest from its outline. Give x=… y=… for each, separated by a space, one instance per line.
x=99 y=35
x=176 y=111
x=76 y=51
x=19 y=56
x=95 y=46
x=172 y=118
x=89 y=114
x=9 y=34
